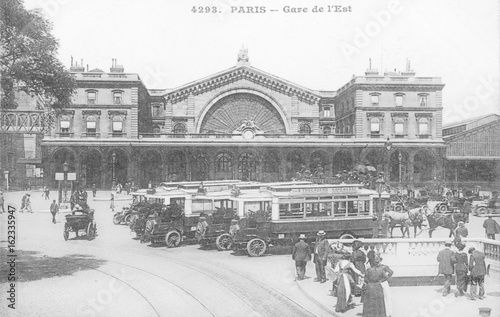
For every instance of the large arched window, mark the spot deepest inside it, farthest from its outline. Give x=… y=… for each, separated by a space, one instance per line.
x=305 y=128
x=223 y=163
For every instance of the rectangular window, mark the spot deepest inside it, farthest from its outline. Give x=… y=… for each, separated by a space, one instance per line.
x=91 y=97
x=375 y=127
x=91 y=127
x=117 y=98
x=374 y=99
x=399 y=129
x=64 y=126
x=117 y=127
x=326 y=112
x=399 y=101
x=423 y=128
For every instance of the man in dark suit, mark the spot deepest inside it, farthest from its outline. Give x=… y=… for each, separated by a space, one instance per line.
x=491 y=227
x=321 y=250
x=446 y=266
x=301 y=254
x=461 y=268
x=477 y=268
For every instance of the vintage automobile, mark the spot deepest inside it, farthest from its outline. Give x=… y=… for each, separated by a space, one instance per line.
x=217 y=233
x=123 y=217
x=486 y=207
x=277 y=215
x=80 y=219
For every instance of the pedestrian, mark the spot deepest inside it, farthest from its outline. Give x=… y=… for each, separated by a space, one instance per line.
x=460 y=232
x=94 y=190
x=467 y=208
x=491 y=227
x=301 y=253
x=371 y=255
x=2 y=201
x=47 y=193
x=345 y=283
x=23 y=203
x=377 y=298
x=446 y=266
x=358 y=259
x=477 y=268
x=321 y=250
x=54 y=209
x=27 y=203
x=334 y=257
x=201 y=229
x=460 y=260
x=112 y=205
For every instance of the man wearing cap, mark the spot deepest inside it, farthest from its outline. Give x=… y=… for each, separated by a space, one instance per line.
x=301 y=254
x=477 y=268
x=460 y=232
x=491 y=227
x=446 y=263
x=460 y=259
x=321 y=250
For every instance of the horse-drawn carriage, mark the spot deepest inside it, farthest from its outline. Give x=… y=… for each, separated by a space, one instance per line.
x=80 y=219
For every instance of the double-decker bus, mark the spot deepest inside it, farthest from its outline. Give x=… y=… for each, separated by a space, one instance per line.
x=279 y=214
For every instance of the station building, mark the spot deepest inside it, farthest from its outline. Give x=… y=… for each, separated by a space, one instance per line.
x=244 y=123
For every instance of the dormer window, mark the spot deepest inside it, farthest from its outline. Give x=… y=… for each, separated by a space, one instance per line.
x=374 y=98
x=91 y=97
x=117 y=97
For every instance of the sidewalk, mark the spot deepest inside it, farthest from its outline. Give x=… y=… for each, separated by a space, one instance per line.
x=410 y=301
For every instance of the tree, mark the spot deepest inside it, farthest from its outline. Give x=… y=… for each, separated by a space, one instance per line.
x=28 y=59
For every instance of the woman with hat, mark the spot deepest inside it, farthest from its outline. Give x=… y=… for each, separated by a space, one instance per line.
x=358 y=258
x=376 y=298
x=345 y=283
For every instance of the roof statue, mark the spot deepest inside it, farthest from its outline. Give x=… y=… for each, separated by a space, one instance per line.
x=243 y=56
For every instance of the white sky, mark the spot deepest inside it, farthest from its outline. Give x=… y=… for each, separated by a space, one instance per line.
x=168 y=45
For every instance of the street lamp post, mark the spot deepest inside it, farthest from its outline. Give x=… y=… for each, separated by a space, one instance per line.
x=65 y=170
x=380 y=182
x=400 y=157
x=113 y=159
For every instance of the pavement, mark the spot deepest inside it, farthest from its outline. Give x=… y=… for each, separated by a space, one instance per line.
x=279 y=272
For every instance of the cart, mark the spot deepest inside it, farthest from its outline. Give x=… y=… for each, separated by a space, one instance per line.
x=80 y=220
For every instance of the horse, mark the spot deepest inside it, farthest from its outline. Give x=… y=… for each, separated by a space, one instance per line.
x=413 y=217
x=448 y=221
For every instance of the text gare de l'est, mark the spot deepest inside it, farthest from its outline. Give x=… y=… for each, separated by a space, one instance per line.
x=293 y=9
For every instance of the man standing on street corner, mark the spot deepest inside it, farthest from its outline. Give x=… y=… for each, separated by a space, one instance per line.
x=321 y=250
x=446 y=264
x=301 y=254
x=477 y=268
x=54 y=209
x=491 y=227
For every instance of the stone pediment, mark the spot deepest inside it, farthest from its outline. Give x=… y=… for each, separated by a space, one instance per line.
x=235 y=74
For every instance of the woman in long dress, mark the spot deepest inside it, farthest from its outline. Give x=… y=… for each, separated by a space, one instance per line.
x=376 y=298
x=345 y=283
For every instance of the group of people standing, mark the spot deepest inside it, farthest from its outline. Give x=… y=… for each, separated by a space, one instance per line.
x=348 y=273
x=468 y=269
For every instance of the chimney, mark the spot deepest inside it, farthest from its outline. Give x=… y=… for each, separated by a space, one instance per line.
x=408 y=72
x=371 y=71
x=75 y=68
x=115 y=68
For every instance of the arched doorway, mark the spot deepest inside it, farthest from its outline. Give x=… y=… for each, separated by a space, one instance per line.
x=247 y=167
x=91 y=170
x=150 y=168
x=271 y=167
x=395 y=164
x=117 y=167
x=342 y=160
x=176 y=166
x=199 y=167
x=319 y=164
x=294 y=164
x=376 y=158
x=423 y=168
